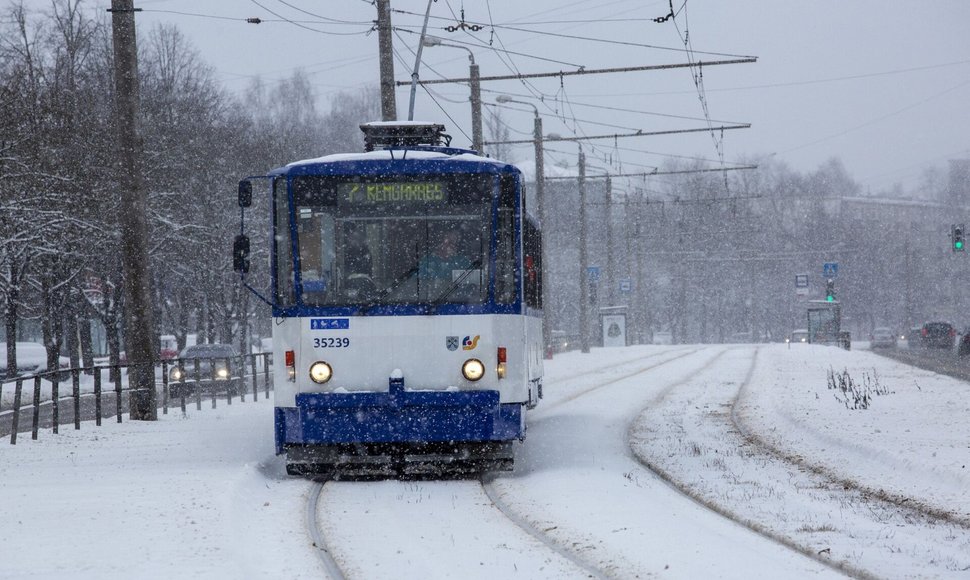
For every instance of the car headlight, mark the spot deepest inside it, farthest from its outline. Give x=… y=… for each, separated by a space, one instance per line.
x=176 y=374
x=320 y=372
x=473 y=369
x=222 y=373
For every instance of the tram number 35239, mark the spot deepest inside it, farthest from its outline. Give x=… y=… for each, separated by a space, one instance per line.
x=331 y=342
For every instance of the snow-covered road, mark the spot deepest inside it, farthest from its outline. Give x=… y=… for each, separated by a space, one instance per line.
x=202 y=496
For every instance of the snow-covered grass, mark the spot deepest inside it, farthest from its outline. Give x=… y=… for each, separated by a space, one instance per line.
x=202 y=495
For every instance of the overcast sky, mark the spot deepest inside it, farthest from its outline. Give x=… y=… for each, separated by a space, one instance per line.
x=883 y=85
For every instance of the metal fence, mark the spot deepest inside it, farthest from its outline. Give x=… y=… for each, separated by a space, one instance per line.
x=178 y=382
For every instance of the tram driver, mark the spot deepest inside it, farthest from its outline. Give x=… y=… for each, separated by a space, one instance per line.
x=447 y=265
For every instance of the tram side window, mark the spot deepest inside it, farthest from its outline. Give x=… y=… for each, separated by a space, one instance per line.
x=532 y=266
x=505 y=291
x=284 y=246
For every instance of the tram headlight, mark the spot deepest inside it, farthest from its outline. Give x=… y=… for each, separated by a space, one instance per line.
x=320 y=372
x=473 y=369
x=222 y=372
x=176 y=374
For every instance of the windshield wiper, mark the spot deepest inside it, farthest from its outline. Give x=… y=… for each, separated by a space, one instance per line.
x=476 y=265
x=379 y=299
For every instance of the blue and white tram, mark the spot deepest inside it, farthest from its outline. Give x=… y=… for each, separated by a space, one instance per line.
x=407 y=308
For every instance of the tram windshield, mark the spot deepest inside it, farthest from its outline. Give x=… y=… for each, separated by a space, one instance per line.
x=393 y=240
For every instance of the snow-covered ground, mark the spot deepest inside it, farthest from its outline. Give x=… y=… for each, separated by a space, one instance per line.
x=202 y=495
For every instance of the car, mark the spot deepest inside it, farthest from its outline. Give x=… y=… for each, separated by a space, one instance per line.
x=168 y=347
x=560 y=341
x=937 y=335
x=882 y=337
x=663 y=337
x=31 y=359
x=800 y=335
x=219 y=369
x=912 y=336
x=964 y=345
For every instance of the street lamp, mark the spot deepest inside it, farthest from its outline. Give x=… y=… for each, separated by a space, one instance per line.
x=540 y=200
x=476 y=97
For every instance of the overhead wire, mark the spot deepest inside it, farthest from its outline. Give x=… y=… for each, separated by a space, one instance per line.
x=492 y=48
x=326 y=18
x=588 y=38
x=300 y=25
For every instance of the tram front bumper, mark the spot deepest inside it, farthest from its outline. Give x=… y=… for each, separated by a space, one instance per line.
x=397 y=417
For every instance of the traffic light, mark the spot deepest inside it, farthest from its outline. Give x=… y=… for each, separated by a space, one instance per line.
x=830 y=291
x=956 y=238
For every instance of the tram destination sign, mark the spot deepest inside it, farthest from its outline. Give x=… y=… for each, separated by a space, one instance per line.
x=392 y=192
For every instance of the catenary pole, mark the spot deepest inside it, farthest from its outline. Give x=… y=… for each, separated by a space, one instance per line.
x=388 y=103
x=584 y=290
x=139 y=323
x=546 y=233
x=476 y=97
x=476 y=88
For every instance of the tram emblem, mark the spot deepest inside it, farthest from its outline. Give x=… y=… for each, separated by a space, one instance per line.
x=451 y=342
x=470 y=343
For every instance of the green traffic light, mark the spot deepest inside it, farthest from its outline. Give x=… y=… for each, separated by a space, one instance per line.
x=958 y=245
x=830 y=298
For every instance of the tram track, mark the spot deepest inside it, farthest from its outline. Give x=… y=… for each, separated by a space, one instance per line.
x=685 y=490
x=899 y=501
x=554 y=543
x=541 y=535
x=769 y=472
x=682 y=353
x=495 y=497
x=584 y=567
x=320 y=546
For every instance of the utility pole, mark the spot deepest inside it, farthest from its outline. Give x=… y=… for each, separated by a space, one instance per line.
x=139 y=323
x=610 y=270
x=388 y=104
x=584 y=293
x=476 y=97
x=476 y=89
x=546 y=234
x=641 y=295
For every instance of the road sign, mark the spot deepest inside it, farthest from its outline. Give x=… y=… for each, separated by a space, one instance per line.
x=801 y=284
x=593 y=273
x=626 y=285
x=830 y=269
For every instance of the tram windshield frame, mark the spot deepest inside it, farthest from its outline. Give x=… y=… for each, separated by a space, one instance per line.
x=396 y=240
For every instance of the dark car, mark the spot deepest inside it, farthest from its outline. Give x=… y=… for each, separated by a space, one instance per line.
x=964 y=348
x=219 y=370
x=937 y=335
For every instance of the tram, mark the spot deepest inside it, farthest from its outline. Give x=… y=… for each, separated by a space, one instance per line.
x=406 y=295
